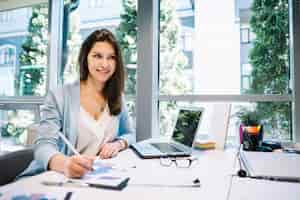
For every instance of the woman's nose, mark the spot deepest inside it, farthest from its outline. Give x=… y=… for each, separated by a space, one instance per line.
x=104 y=62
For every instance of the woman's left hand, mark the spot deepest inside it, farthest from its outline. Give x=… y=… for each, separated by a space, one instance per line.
x=110 y=149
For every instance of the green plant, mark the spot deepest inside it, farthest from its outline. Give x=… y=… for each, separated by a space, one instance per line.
x=11 y=130
x=249 y=117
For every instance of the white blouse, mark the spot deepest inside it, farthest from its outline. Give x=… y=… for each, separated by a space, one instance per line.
x=92 y=134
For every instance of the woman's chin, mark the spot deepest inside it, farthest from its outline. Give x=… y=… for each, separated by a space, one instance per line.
x=102 y=80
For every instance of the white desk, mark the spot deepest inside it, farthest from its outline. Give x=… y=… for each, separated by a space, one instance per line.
x=213 y=169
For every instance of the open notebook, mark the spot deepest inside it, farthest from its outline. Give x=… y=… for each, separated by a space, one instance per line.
x=272 y=165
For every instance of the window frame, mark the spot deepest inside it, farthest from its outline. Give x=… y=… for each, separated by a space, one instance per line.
x=148 y=97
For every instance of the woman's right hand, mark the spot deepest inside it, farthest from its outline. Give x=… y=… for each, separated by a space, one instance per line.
x=76 y=166
x=73 y=167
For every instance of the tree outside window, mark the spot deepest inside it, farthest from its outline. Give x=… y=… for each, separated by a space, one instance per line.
x=174 y=61
x=269 y=58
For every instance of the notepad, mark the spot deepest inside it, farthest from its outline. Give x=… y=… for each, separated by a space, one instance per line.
x=105 y=175
x=205 y=144
x=277 y=165
x=12 y=193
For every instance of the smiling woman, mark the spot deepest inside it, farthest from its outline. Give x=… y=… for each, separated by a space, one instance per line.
x=102 y=127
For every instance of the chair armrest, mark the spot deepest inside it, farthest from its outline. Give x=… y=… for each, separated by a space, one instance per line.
x=13 y=163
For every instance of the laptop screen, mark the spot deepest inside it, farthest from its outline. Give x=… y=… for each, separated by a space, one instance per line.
x=186 y=126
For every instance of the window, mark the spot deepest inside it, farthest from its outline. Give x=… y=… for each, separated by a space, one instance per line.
x=14 y=124
x=245 y=35
x=23 y=69
x=246 y=77
x=24 y=47
x=5 y=17
x=217 y=74
x=95 y=3
x=8 y=55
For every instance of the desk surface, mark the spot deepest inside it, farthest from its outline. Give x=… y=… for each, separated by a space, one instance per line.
x=213 y=169
x=146 y=175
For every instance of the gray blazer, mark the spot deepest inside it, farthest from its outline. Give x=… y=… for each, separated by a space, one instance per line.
x=60 y=114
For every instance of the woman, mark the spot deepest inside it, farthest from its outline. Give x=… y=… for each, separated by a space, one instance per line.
x=94 y=120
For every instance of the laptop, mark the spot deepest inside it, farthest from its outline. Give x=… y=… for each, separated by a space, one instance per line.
x=181 y=141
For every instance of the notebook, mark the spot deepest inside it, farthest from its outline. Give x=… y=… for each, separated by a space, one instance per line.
x=272 y=165
x=105 y=174
x=182 y=138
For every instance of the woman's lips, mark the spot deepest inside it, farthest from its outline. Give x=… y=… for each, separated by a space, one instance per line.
x=102 y=71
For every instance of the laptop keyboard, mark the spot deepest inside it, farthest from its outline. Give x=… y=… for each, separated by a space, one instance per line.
x=165 y=147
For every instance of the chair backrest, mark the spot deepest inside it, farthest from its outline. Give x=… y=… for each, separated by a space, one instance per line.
x=31 y=134
x=13 y=163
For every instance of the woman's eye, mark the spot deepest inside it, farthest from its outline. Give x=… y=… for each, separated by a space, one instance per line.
x=112 y=57
x=97 y=56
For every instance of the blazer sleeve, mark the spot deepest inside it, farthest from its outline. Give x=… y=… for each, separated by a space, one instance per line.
x=126 y=131
x=47 y=142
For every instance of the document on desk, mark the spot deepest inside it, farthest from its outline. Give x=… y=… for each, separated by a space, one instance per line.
x=254 y=189
x=277 y=165
x=105 y=175
x=18 y=194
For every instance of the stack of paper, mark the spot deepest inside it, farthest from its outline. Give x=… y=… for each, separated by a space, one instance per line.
x=205 y=144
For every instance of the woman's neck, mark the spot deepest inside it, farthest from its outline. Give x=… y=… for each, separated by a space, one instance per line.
x=92 y=86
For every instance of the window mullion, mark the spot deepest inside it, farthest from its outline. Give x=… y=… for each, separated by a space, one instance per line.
x=228 y=98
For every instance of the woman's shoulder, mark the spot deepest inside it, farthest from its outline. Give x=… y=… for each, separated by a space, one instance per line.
x=64 y=93
x=71 y=86
x=66 y=89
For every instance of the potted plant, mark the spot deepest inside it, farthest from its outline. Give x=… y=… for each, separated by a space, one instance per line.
x=251 y=128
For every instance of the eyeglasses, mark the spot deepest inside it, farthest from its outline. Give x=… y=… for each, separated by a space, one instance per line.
x=181 y=162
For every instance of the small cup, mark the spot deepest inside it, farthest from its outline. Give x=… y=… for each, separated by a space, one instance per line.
x=252 y=137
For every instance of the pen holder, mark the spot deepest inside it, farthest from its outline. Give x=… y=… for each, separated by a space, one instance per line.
x=252 y=137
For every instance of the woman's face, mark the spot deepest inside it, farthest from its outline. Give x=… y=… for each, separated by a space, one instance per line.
x=101 y=62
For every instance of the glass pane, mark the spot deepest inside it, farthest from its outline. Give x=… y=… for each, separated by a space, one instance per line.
x=209 y=60
x=23 y=51
x=219 y=118
x=245 y=35
x=246 y=82
x=120 y=18
x=246 y=69
x=14 y=127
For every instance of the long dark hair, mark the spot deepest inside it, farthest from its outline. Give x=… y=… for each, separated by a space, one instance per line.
x=114 y=87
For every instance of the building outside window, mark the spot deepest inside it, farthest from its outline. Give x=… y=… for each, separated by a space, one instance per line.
x=23 y=46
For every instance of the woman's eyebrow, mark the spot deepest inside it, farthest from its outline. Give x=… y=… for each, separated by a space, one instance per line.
x=101 y=53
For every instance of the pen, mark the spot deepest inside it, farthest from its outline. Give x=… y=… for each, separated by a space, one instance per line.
x=66 y=141
x=70 y=145
x=283 y=179
x=68 y=196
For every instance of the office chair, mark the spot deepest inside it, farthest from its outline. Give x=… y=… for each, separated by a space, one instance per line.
x=13 y=163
